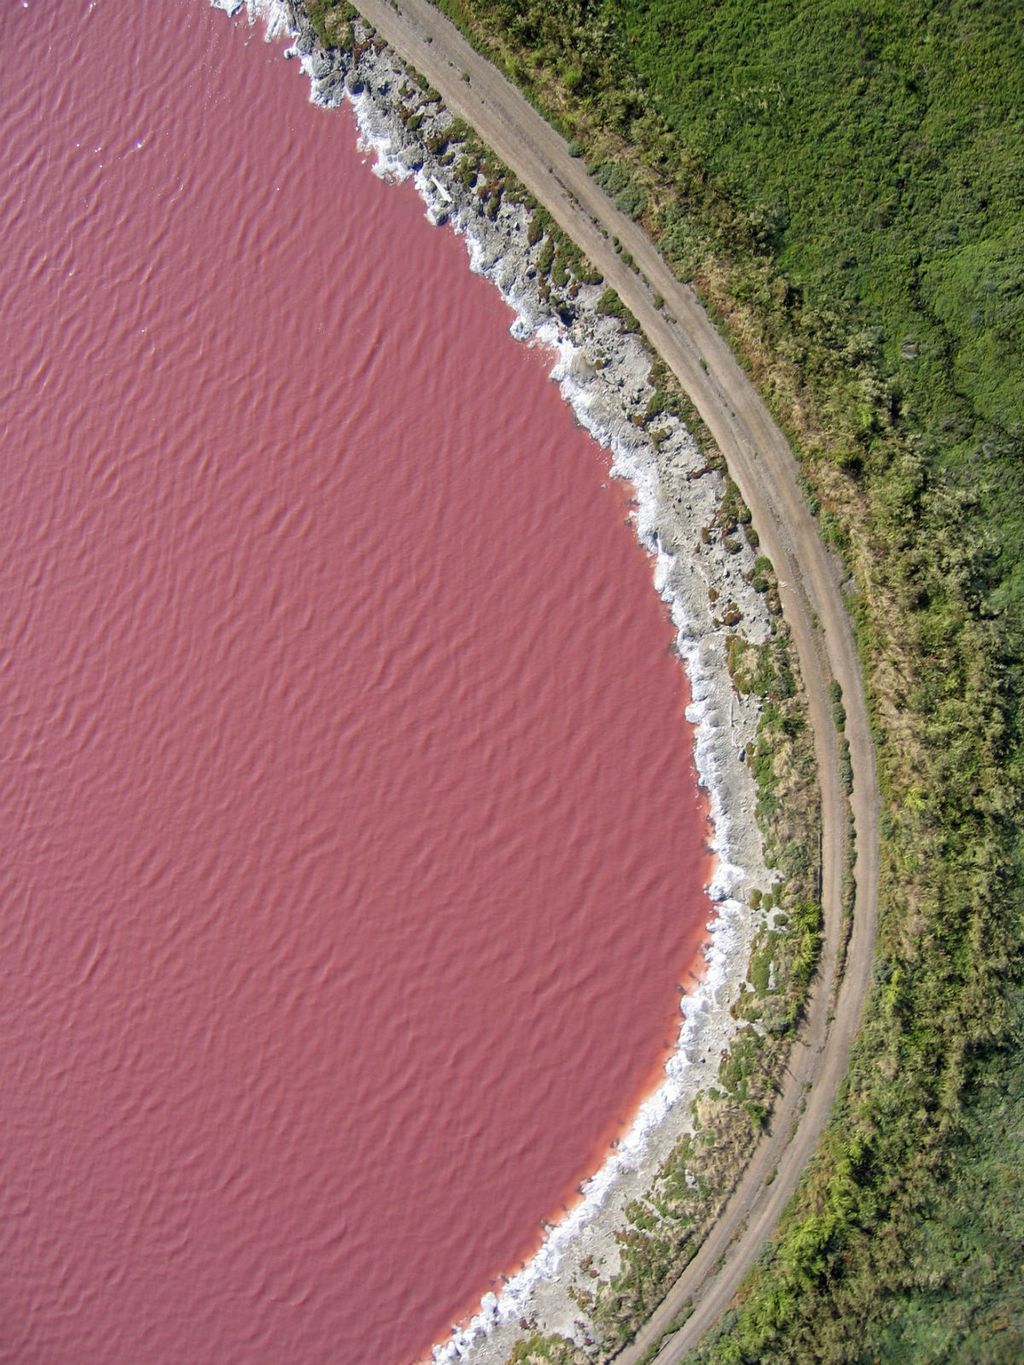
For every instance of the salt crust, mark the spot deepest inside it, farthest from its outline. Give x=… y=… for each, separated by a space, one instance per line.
x=603 y=374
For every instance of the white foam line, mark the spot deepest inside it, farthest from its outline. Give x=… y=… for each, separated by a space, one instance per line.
x=729 y=931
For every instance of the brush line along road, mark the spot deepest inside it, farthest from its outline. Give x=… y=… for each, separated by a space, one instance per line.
x=761 y=464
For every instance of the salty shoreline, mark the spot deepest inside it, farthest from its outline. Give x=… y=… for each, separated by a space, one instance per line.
x=603 y=373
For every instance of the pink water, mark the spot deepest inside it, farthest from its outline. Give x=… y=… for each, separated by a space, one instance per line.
x=352 y=850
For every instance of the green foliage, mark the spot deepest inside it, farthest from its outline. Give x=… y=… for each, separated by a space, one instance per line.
x=612 y=306
x=331 y=21
x=537 y=1349
x=619 y=183
x=952 y=1289
x=959 y=1293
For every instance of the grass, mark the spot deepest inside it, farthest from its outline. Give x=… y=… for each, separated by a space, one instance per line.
x=960 y=1294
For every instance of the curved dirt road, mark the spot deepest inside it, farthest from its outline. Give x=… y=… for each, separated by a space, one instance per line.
x=761 y=464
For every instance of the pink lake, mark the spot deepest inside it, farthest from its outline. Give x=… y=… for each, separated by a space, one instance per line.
x=353 y=849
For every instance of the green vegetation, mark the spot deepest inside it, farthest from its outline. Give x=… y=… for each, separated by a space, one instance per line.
x=612 y=306
x=330 y=21
x=844 y=183
x=538 y=1350
x=960 y=1290
x=949 y=1266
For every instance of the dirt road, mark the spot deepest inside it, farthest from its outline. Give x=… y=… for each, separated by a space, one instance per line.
x=760 y=462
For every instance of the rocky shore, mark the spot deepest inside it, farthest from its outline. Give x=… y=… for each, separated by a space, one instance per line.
x=705 y=571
